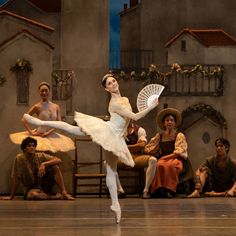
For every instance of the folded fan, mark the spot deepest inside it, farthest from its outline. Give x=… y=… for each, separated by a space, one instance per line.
x=148 y=94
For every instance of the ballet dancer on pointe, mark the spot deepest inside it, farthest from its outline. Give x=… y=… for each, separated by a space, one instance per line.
x=109 y=134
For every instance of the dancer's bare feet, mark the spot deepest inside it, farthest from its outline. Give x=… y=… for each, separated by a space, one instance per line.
x=194 y=194
x=66 y=196
x=55 y=197
x=117 y=212
x=214 y=194
x=230 y=193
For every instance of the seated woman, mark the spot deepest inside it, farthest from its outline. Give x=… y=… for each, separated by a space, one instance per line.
x=170 y=148
x=47 y=138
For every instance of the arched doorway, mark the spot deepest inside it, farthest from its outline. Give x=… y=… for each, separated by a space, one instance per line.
x=202 y=124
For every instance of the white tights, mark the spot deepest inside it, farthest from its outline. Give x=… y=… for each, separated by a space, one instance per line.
x=150 y=172
x=111 y=169
x=75 y=130
x=111 y=184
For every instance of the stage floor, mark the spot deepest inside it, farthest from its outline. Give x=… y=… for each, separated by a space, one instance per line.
x=90 y=216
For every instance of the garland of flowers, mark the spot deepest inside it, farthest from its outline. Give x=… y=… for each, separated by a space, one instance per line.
x=62 y=80
x=198 y=68
x=155 y=76
x=208 y=111
x=22 y=65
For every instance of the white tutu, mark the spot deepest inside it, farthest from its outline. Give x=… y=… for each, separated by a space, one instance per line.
x=54 y=142
x=105 y=134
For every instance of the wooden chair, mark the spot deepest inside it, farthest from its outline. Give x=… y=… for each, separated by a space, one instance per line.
x=88 y=164
x=134 y=178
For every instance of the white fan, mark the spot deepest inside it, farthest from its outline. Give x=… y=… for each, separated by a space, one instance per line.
x=148 y=94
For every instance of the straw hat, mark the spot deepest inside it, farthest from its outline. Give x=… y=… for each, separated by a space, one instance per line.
x=165 y=112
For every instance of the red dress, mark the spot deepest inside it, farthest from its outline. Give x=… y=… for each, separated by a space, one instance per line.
x=168 y=170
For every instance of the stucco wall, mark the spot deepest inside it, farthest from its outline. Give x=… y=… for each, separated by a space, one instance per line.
x=220 y=55
x=193 y=54
x=11 y=26
x=130 y=29
x=85 y=49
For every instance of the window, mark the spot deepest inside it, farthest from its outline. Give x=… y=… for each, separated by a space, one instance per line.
x=22 y=88
x=183 y=45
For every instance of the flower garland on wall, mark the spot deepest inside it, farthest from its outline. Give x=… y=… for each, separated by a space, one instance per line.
x=154 y=75
x=22 y=65
x=64 y=83
x=63 y=80
x=207 y=111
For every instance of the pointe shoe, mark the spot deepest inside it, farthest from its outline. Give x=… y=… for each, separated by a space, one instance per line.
x=117 y=212
x=32 y=120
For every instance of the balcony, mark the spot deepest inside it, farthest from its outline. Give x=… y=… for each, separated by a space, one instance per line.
x=184 y=80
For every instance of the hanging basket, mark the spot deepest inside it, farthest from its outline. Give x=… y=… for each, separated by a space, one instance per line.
x=22 y=65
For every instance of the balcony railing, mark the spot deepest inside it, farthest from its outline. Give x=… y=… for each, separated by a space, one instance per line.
x=206 y=82
x=62 y=87
x=184 y=80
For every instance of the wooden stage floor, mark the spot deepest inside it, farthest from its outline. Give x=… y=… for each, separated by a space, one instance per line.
x=90 y=216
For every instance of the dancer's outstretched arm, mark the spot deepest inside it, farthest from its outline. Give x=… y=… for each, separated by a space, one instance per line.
x=75 y=130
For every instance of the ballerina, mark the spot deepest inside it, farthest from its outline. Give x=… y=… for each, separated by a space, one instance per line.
x=48 y=140
x=110 y=135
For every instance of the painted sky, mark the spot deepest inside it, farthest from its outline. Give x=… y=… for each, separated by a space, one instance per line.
x=116 y=6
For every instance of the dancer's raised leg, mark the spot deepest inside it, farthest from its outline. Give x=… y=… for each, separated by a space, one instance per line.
x=75 y=130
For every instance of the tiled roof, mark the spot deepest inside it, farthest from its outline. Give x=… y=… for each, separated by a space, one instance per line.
x=25 y=31
x=48 y=28
x=45 y=5
x=207 y=37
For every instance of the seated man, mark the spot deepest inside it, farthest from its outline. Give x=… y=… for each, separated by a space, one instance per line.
x=136 y=140
x=217 y=175
x=38 y=172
